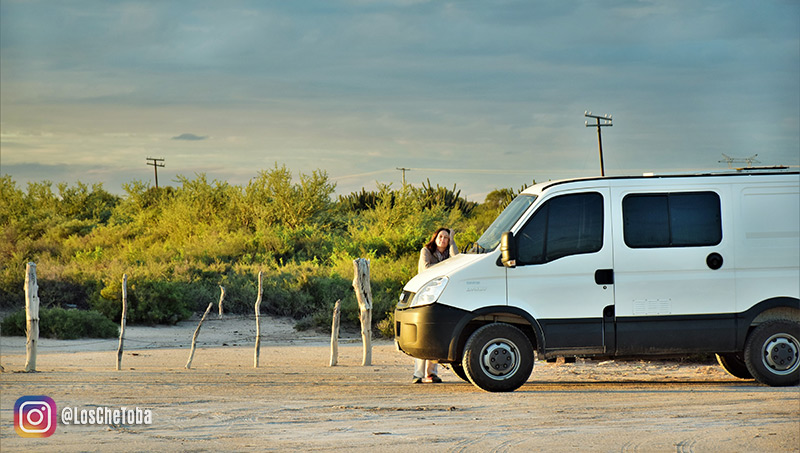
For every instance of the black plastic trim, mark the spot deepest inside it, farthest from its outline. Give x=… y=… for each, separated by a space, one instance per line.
x=745 y=319
x=538 y=332
x=436 y=323
x=675 y=334
x=604 y=276
x=442 y=328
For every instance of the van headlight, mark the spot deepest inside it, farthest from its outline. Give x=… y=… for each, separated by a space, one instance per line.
x=430 y=292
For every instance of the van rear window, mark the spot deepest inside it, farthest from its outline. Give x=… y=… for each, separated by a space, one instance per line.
x=686 y=219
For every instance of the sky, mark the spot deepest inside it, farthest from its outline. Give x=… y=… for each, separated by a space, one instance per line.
x=482 y=95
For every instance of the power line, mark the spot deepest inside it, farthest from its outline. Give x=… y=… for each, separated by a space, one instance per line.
x=475 y=170
x=438 y=170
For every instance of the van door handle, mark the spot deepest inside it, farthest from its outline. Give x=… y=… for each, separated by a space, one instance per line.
x=604 y=276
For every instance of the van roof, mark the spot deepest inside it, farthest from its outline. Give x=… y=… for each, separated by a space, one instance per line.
x=758 y=171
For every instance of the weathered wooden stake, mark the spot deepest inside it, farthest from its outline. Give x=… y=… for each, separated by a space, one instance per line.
x=361 y=284
x=335 y=333
x=196 y=332
x=258 y=324
x=122 y=320
x=221 y=298
x=1 y=366
x=31 y=316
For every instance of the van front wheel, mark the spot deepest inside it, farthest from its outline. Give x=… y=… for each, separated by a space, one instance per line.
x=772 y=353
x=498 y=357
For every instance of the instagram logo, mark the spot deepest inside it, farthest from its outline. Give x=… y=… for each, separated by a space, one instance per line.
x=35 y=416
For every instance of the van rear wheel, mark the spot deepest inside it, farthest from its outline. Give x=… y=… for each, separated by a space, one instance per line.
x=734 y=364
x=458 y=370
x=772 y=353
x=498 y=357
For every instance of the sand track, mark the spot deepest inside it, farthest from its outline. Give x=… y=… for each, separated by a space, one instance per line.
x=295 y=401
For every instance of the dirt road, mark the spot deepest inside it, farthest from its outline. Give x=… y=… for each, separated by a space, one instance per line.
x=295 y=401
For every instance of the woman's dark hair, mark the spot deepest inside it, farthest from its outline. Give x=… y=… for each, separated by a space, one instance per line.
x=431 y=245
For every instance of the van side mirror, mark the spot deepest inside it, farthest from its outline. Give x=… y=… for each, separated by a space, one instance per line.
x=508 y=250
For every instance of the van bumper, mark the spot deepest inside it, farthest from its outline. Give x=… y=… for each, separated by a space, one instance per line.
x=429 y=332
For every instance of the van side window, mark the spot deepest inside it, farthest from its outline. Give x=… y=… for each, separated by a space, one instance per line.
x=687 y=219
x=563 y=226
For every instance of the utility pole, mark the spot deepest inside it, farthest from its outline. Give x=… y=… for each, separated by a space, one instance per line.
x=155 y=165
x=404 y=174
x=606 y=122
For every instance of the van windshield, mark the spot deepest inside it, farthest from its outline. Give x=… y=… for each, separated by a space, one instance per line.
x=491 y=238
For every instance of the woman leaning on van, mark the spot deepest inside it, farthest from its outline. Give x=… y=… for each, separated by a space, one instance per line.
x=439 y=248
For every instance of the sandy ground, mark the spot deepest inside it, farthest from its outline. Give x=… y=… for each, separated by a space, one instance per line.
x=295 y=401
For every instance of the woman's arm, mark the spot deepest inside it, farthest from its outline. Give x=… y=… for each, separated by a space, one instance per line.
x=453 y=246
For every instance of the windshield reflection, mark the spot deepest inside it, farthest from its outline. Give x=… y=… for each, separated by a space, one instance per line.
x=491 y=238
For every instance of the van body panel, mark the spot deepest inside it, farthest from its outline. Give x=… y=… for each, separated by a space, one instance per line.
x=477 y=286
x=474 y=281
x=444 y=268
x=768 y=242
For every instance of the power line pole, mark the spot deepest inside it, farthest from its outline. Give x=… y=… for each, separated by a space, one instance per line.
x=606 y=122
x=155 y=165
x=404 y=174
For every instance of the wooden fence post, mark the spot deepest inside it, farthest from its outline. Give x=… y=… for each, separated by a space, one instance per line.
x=221 y=298
x=361 y=284
x=258 y=324
x=194 y=337
x=31 y=316
x=335 y=333
x=122 y=319
x=1 y=366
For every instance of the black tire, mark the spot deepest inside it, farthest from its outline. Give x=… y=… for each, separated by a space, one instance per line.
x=772 y=353
x=498 y=357
x=734 y=364
x=458 y=370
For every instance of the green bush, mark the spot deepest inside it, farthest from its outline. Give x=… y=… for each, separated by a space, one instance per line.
x=178 y=244
x=386 y=326
x=64 y=292
x=63 y=324
x=149 y=302
x=241 y=291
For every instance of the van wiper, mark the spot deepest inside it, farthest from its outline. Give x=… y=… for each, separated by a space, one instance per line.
x=476 y=248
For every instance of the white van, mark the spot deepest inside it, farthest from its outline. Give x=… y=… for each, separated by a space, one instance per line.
x=620 y=267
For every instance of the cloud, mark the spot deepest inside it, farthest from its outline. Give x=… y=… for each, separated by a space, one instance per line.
x=411 y=83
x=190 y=137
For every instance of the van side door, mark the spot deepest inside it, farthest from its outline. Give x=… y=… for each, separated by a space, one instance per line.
x=674 y=270
x=561 y=249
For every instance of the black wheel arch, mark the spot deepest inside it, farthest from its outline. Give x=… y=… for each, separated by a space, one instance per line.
x=496 y=313
x=766 y=310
